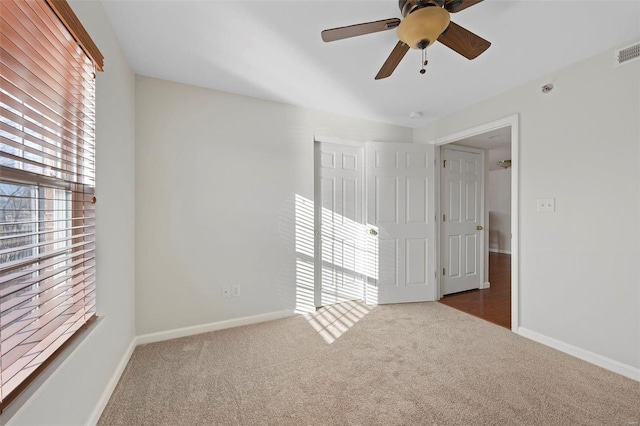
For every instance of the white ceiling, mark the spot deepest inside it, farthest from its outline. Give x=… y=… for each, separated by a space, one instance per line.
x=273 y=50
x=496 y=142
x=498 y=138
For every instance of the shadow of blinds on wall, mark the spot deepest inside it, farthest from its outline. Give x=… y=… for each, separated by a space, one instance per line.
x=47 y=180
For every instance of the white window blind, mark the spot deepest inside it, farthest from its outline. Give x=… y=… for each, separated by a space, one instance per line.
x=47 y=179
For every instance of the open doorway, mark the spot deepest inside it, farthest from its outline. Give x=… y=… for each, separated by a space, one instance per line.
x=493 y=296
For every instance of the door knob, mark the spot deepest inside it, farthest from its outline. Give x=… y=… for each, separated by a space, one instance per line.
x=373 y=231
x=479 y=228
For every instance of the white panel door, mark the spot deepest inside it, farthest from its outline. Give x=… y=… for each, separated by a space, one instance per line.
x=462 y=206
x=340 y=186
x=400 y=245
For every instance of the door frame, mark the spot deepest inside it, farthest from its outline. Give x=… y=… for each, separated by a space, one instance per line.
x=509 y=121
x=484 y=241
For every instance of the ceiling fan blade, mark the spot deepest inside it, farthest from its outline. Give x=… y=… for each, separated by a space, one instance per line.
x=463 y=41
x=454 y=6
x=393 y=60
x=359 y=29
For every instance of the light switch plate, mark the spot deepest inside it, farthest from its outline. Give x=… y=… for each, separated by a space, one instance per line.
x=546 y=204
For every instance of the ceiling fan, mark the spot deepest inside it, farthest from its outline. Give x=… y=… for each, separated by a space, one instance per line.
x=425 y=21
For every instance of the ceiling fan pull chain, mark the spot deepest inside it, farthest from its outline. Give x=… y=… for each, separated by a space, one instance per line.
x=424 y=60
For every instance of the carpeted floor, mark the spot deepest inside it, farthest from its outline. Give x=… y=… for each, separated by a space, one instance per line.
x=409 y=364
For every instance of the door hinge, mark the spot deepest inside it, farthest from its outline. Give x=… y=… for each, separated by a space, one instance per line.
x=444 y=217
x=443 y=271
x=444 y=164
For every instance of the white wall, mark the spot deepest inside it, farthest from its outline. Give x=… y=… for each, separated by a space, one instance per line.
x=499 y=207
x=217 y=176
x=579 y=273
x=68 y=394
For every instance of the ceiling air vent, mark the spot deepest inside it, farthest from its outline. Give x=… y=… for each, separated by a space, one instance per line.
x=628 y=54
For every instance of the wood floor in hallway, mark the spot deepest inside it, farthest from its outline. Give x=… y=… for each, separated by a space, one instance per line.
x=492 y=304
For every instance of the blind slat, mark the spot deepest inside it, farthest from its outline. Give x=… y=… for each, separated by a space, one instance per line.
x=79 y=277
x=28 y=363
x=41 y=338
x=25 y=308
x=22 y=317
x=46 y=304
x=32 y=234
x=15 y=288
x=66 y=162
x=74 y=153
x=41 y=132
x=38 y=267
x=9 y=266
x=65 y=128
x=72 y=93
x=23 y=77
x=17 y=345
x=38 y=101
x=39 y=22
x=20 y=25
x=40 y=222
x=45 y=243
x=39 y=198
x=49 y=170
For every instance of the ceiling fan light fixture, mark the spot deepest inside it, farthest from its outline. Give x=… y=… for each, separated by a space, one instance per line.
x=422 y=28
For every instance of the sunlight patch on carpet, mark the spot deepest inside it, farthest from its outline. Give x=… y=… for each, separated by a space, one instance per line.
x=333 y=321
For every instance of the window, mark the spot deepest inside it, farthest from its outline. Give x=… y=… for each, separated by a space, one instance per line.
x=47 y=180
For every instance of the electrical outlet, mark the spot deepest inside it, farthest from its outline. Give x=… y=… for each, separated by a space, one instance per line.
x=235 y=290
x=226 y=292
x=546 y=204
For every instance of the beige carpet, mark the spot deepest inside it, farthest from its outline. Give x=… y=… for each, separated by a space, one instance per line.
x=410 y=364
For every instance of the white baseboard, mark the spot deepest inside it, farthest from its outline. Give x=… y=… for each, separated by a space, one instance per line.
x=204 y=328
x=485 y=285
x=583 y=354
x=496 y=250
x=106 y=394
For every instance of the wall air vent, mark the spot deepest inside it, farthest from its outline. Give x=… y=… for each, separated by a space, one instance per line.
x=628 y=54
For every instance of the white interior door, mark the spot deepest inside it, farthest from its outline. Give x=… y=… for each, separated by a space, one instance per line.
x=462 y=181
x=340 y=190
x=400 y=245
